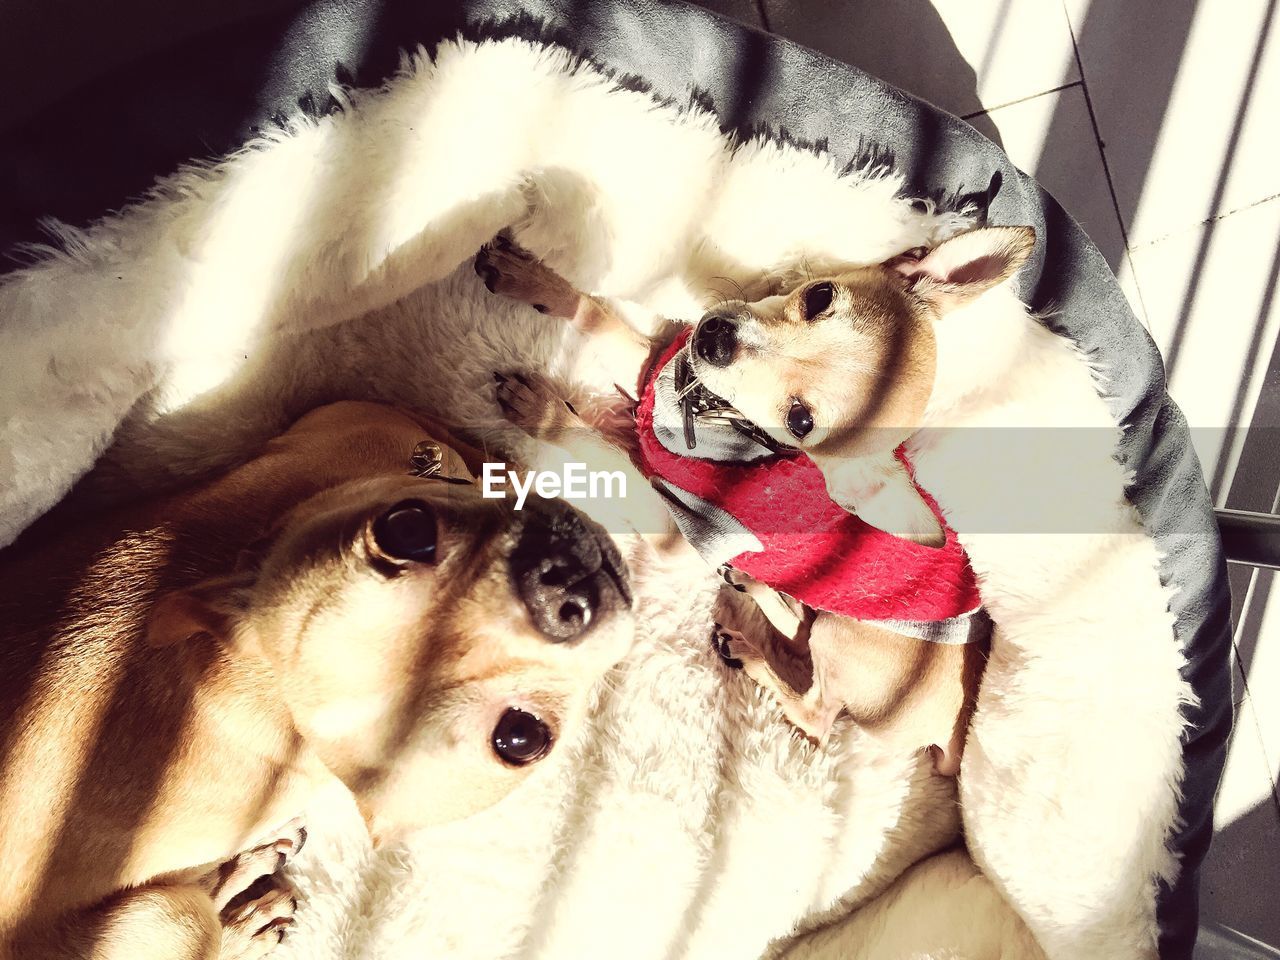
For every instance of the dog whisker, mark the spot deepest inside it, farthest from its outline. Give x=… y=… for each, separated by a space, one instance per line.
x=688 y=389
x=715 y=301
x=722 y=300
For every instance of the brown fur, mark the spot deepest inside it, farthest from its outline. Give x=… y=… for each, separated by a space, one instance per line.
x=179 y=676
x=864 y=367
x=904 y=692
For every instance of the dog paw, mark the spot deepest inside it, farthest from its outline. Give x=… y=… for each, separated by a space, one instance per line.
x=511 y=271
x=257 y=920
x=727 y=643
x=532 y=403
x=733 y=578
x=738 y=653
x=783 y=612
x=231 y=879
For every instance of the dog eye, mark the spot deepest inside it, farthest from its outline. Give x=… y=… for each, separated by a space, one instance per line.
x=818 y=298
x=407 y=532
x=520 y=738
x=799 y=420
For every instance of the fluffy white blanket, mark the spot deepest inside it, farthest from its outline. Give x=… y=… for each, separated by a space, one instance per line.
x=330 y=260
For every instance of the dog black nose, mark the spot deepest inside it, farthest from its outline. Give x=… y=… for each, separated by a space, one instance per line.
x=716 y=339
x=566 y=570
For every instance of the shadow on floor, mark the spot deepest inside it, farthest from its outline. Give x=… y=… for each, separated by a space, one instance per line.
x=905 y=43
x=1239 y=870
x=1110 y=34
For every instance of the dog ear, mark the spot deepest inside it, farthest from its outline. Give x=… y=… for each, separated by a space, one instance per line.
x=207 y=609
x=960 y=269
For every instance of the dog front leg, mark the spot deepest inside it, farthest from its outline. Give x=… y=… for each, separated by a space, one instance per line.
x=784 y=613
x=179 y=922
x=150 y=923
x=878 y=489
x=237 y=910
x=511 y=271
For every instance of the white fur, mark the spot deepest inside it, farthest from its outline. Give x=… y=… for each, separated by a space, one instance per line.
x=1080 y=702
x=689 y=821
x=941 y=909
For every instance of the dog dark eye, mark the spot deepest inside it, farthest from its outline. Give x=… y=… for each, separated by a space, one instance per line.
x=799 y=420
x=817 y=299
x=407 y=532
x=520 y=738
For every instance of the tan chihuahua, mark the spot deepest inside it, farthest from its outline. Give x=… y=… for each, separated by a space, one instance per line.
x=841 y=368
x=177 y=678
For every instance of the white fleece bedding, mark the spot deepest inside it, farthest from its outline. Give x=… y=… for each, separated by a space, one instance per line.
x=332 y=259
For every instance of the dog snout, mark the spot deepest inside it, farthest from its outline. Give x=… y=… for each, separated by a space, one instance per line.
x=716 y=339
x=567 y=572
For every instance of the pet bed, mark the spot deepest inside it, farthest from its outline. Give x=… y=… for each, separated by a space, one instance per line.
x=690 y=822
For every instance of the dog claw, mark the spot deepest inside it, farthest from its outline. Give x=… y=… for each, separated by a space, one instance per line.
x=264 y=914
x=499 y=377
x=484 y=270
x=724 y=651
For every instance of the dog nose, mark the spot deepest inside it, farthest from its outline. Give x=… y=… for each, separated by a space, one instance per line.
x=716 y=339
x=567 y=571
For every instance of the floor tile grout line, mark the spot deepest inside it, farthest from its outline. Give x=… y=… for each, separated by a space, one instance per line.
x=1106 y=168
x=1275 y=776
x=1266 y=757
x=1145 y=244
x=1145 y=317
x=1246 y=705
x=1254 y=573
x=1014 y=103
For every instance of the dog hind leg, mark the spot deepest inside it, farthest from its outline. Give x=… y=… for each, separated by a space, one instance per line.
x=744 y=634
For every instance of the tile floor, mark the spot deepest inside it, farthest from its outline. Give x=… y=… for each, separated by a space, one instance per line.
x=1154 y=123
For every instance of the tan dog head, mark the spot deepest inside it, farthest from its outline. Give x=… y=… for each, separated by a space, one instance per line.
x=430 y=645
x=843 y=367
